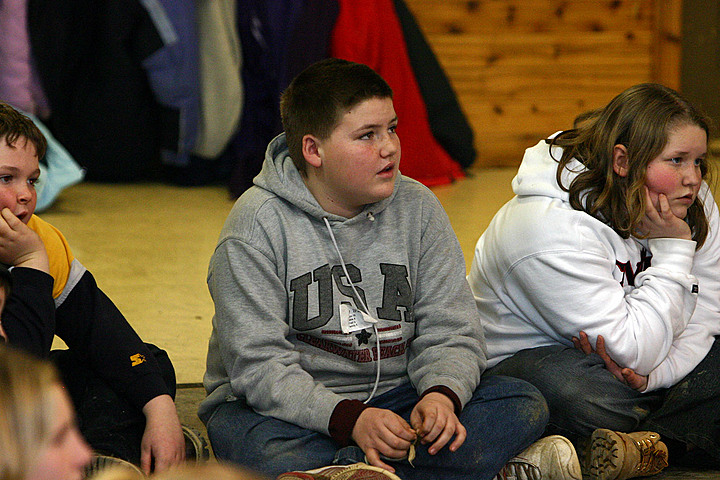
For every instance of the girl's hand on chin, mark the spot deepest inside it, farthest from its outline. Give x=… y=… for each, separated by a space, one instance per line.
x=661 y=222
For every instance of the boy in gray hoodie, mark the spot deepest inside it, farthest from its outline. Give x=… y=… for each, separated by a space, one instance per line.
x=344 y=327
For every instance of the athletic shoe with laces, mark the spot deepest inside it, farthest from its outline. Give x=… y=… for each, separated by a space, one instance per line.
x=356 y=471
x=99 y=463
x=196 y=447
x=619 y=456
x=550 y=458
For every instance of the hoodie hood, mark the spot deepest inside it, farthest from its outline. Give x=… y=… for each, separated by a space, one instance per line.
x=538 y=170
x=278 y=282
x=280 y=176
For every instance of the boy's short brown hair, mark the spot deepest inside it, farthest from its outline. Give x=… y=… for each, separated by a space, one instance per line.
x=318 y=97
x=14 y=126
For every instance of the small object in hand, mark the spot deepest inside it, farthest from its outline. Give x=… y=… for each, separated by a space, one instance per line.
x=411 y=452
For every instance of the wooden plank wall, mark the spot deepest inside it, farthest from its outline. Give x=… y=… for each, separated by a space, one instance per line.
x=523 y=69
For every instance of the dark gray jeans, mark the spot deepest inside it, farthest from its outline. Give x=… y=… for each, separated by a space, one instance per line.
x=583 y=395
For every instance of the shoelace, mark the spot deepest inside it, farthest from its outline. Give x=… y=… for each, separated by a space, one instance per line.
x=652 y=460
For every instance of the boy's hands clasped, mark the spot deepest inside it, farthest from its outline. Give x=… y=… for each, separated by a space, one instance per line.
x=435 y=422
x=379 y=431
x=382 y=432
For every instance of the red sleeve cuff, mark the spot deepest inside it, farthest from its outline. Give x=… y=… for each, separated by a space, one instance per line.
x=342 y=420
x=448 y=393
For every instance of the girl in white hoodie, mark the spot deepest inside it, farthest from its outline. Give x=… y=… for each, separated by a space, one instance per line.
x=599 y=283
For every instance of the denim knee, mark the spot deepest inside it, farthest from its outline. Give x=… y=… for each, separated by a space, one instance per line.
x=532 y=409
x=581 y=393
x=265 y=444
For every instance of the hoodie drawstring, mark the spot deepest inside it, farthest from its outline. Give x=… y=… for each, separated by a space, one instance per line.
x=362 y=303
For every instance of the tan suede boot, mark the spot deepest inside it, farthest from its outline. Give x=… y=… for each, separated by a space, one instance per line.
x=619 y=456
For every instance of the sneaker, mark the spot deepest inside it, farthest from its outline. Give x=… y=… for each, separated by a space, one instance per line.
x=196 y=447
x=619 y=456
x=356 y=471
x=101 y=463
x=550 y=458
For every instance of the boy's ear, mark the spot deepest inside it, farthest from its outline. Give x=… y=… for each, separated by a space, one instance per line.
x=311 y=150
x=620 y=160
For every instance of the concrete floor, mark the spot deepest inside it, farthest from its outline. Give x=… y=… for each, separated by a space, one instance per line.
x=148 y=246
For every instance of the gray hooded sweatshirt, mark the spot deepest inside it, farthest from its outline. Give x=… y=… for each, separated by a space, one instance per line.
x=278 y=282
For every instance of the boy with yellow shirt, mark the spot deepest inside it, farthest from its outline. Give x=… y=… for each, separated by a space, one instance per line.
x=121 y=387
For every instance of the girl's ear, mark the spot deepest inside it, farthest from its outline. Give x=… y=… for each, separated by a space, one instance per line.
x=311 y=150
x=620 y=160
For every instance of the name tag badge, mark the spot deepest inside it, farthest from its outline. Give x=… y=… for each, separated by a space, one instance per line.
x=353 y=320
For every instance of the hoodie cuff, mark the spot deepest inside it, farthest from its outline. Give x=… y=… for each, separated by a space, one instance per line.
x=448 y=393
x=674 y=254
x=343 y=419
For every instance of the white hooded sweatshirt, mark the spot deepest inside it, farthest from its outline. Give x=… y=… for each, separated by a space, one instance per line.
x=543 y=272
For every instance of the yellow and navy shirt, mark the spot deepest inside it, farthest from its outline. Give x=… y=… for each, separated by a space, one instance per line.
x=83 y=316
x=59 y=254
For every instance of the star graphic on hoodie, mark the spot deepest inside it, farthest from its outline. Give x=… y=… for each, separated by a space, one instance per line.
x=363 y=337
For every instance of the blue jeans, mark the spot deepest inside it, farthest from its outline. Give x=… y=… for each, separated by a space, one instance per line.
x=504 y=416
x=581 y=393
x=690 y=413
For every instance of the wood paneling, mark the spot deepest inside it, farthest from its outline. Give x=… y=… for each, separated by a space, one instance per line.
x=523 y=69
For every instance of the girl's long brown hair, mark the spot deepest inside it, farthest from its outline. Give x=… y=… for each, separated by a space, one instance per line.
x=640 y=118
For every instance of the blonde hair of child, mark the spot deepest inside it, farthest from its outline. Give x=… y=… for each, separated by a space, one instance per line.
x=206 y=471
x=27 y=405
